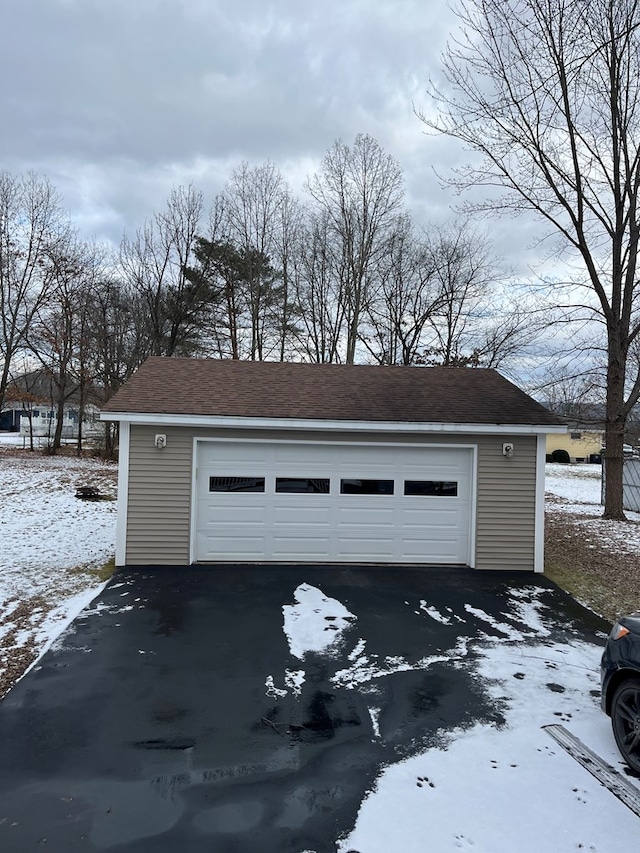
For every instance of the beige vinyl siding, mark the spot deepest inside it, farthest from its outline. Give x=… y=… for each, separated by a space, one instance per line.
x=159 y=524
x=158 y=520
x=505 y=518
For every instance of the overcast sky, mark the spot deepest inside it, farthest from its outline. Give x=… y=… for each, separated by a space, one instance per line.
x=119 y=100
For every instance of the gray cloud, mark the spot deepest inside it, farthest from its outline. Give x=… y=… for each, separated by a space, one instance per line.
x=118 y=100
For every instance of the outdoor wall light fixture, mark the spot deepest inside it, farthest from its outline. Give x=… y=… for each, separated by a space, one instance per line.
x=161 y=441
x=507 y=449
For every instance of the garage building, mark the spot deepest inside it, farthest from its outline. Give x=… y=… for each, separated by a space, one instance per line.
x=266 y=462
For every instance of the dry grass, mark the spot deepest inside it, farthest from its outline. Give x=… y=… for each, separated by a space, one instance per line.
x=17 y=652
x=105 y=571
x=604 y=579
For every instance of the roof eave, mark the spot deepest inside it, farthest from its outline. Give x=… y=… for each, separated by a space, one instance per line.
x=235 y=422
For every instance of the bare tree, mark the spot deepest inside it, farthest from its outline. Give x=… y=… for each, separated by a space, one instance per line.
x=321 y=291
x=287 y=258
x=358 y=194
x=32 y=229
x=467 y=270
x=408 y=296
x=118 y=342
x=576 y=396
x=58 y=337
x=154 y=264
x=547 y=93
x=507 y=335
x=258 y=210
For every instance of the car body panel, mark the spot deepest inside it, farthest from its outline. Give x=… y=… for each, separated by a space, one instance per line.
x=621 y=657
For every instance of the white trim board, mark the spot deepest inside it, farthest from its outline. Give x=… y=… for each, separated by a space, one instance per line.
x=538 y=547
x=217 y=421
x=123 y=495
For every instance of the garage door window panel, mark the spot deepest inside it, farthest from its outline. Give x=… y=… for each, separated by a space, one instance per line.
x=366 y=487
x=431 y=488
x=236 y=484
x=303 y=485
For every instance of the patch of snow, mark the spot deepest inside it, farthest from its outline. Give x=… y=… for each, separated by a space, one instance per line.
x=455 y=616
x=273 y=692
x=531 y=592
x=315 y=623
x=367 y=668
x=374 y=713
x=496 y=790
x=614 y=534
x=358 y=650
x=460 y=650
x=294 y=679
x=434 y=613
x=508 y=630
x=528 y=611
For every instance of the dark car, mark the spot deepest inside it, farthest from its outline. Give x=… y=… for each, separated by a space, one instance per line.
x=620 y=678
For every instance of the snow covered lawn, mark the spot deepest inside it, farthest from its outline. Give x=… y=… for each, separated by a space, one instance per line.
x=52 y=545
x=577 y=485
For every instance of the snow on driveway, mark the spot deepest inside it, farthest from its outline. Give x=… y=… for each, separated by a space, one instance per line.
x=489 y=788
x=502 y=789
x=314 y=623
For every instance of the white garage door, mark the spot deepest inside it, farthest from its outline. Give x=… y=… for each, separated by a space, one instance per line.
x=282 y=502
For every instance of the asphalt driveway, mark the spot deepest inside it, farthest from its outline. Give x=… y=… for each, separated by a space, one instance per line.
x=169 y=717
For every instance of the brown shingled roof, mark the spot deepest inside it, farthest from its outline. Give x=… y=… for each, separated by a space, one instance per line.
x=264 y=389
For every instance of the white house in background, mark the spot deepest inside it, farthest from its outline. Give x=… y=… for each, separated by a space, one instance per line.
x=41 y=422
x=31 y=409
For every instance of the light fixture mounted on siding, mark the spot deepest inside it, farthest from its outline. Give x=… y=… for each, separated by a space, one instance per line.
x=507 y=449
x=161 y=441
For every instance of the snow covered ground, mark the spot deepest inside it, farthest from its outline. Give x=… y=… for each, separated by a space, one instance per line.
x=51 y=545
x=579 y=485
x=576 y=489
x=483 y=789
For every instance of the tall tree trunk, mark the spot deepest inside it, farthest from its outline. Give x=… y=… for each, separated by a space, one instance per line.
x=614 y=432
x=57 y=436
